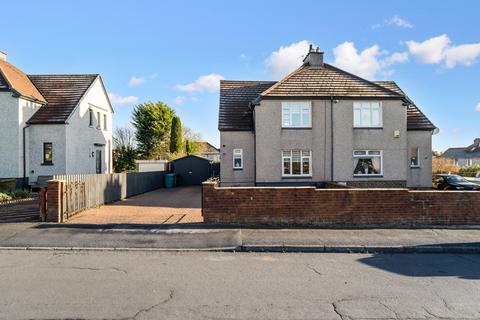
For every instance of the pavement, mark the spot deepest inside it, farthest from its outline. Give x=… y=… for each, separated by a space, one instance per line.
x=216 y=238
x=161 y=206
x=222 y=285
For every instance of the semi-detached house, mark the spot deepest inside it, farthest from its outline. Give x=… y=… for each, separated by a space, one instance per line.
x=53 y=124
x=322 y=124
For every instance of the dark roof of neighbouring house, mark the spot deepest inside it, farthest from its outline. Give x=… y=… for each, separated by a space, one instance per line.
x=14 y=79
x=472 y=151
x=235 y=97
x=235 y=113
x=62 y=92
x=326 y=81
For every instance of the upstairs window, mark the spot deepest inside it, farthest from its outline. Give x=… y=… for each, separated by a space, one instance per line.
x=237 y=159
x=99 y=122
x=296 y=114
x=414 y=158
x=47 y=153
x=104 y=122
x=367 y=163
x=90 y=117
x=296 y=163
x=367 y=114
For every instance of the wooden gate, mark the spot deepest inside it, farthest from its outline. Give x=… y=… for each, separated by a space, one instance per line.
x=74 y=199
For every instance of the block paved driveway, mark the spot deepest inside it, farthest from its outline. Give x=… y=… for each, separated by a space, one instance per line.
x=161 y=206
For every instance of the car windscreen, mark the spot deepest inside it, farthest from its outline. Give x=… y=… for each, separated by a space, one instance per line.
x=456 y=179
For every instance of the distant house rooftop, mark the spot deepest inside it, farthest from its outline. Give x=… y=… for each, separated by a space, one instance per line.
x=472 y=151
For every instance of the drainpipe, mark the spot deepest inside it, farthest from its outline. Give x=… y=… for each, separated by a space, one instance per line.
x=24 y=156
x=331 y=138
x=254 y=151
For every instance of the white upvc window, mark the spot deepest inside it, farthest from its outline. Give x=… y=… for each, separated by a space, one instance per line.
x=414 y=157
x=296 y=114
x=469 y=162
x=237 y=158
x=367 y=163
x=367 y=114
x=296 y=163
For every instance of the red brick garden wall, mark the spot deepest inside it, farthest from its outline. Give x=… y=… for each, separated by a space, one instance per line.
x=342 y=207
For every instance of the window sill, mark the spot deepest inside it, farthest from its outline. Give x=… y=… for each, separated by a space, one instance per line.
x=297 y=177
x=368 y=128
x=237 y=168
x=47 y=164
x=297 y=128
x=414 y=167
x=368 y=175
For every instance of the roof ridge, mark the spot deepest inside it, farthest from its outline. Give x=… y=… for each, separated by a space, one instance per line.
x=291 y=74
x=63 y=74
x=363 y=79
x=228 y=80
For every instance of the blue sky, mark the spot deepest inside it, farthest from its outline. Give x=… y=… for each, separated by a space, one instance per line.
x=175 y=51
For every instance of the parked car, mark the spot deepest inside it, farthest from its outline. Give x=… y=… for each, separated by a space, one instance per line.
x=453 y=182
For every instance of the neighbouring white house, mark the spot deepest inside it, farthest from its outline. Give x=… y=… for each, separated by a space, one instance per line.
x=53 y=124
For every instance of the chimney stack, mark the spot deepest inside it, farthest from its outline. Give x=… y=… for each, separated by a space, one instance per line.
x=3 y=56
x=314 y=57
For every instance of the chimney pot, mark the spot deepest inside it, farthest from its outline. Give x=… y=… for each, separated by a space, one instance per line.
x=314 y=57
x=3 y=56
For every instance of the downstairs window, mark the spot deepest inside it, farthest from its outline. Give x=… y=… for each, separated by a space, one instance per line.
x=296 y=163
x=367 y=163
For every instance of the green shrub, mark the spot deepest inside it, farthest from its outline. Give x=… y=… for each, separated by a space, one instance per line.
x=4 y=197
x=469 y=171
x=7 y=185
x=20 y=194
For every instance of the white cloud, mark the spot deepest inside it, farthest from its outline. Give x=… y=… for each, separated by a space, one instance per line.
x=243 y=56
x=364 y=64
x=396 y=57
x=135 y=81
x=154 y=75
x=465 y=54
x=209 y=82
x=181 y=100
x=431 y=51
x=399 y=22
x=478 y=107
x=117 y=99
x=286 y=59
x=438 y=50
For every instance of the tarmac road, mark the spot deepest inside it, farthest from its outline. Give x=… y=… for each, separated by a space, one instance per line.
x=49 y=284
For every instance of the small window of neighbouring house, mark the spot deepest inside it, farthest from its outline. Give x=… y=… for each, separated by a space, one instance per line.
x=296 y=163
x=90 y=115
x=296 y=114
x=367 y=114
x=104 y=122
x=99 y=122
x=414 y=157
x=237 y=159
x=47 y=153
x=367 y=162
x=469 y=162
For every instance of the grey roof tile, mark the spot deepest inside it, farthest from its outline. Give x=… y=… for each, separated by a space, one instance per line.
x=62 y=92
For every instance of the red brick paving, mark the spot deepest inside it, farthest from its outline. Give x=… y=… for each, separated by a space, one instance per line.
x=162 y=206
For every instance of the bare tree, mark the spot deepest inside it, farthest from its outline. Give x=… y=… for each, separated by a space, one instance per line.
x=124 y=137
